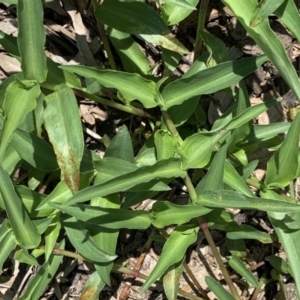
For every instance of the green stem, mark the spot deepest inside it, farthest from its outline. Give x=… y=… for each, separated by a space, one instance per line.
x=106 y=46
x=200 y=27
x=203 y=224
x=129 y=109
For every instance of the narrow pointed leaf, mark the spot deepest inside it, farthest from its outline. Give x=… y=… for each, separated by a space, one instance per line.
x=107 y=217
x=131 y=86
x=63 y=125
x=218 y=289
x=7 y=244
x=263 y=10
x=136 y=17
x=232 y=199
x=267 y=41
x=83 y=242
x=209 y=81
x=282 y=167
x=19 y=101
x=180 y=239
x=23 y=228
x=163 y=169
x=31 y=39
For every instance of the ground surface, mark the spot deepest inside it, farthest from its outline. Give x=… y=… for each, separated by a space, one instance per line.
x=63 y=25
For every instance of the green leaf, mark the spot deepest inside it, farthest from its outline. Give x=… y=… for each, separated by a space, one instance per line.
x=136 y=17
x=63 y=125
x=19 y=101
x=218 y=289
x=34 y=150
x=249 y=114
x=23 y=256
x=263 y=10
x=197 y=149
x=236 y=264
x=240 y=232
x=171 y=280
x=180 y=3
x=51 y=235
x=121 y=146
x=31 y=39
x=172 y=13
x=213 y=179
x=232 y=199
x=282 y=167
x=44 y=275
x=165 y=213
x=93 y=287
x=165 y=144
x=234 y=180
x=23 y=228
x=289 y=16
x=279 y=264
x=180 y=239
x=288 y=238
x=209 y=81
x=163 y=169
x=267 y=41
x=107 y=217
x=131 y=86
x=7 y=243
x=133 y=59
x=83 y=243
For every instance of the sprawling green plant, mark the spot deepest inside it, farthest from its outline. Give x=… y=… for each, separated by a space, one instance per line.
x=85 y=202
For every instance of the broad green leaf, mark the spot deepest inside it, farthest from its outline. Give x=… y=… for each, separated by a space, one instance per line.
x=23 y=256
x=180 y=113
x=282 y=167
x=217 y=49
x=232 y=199
x=209 y=81
x=42 y=278
x=171 y=280
x=133 y=59
x=165 y=144
x=31 y=39
x=289 y=238
x=23 y=228
x=107 y=217
x=234 y=180
x=7 y=244
x=267 y=41
x=180 y=3
x=218 y=289
x=60 y=194
x=197 y=149
x=11 y=160
x=131 y=86
x=213 y=179
x=63 y=125
x=263 y=10
x=249 y=114
x=244 y=231
x=165 y=213
x=261 y=133
x=173 y=251
x=163 y=169
x=289 y=16
x=136 y=17
x=279 y=264
x=83 y=242
x=34 y=150
x=172 y=13
x=237 y=264
x=121 y=146
x=19 y=101
x=31 y=200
